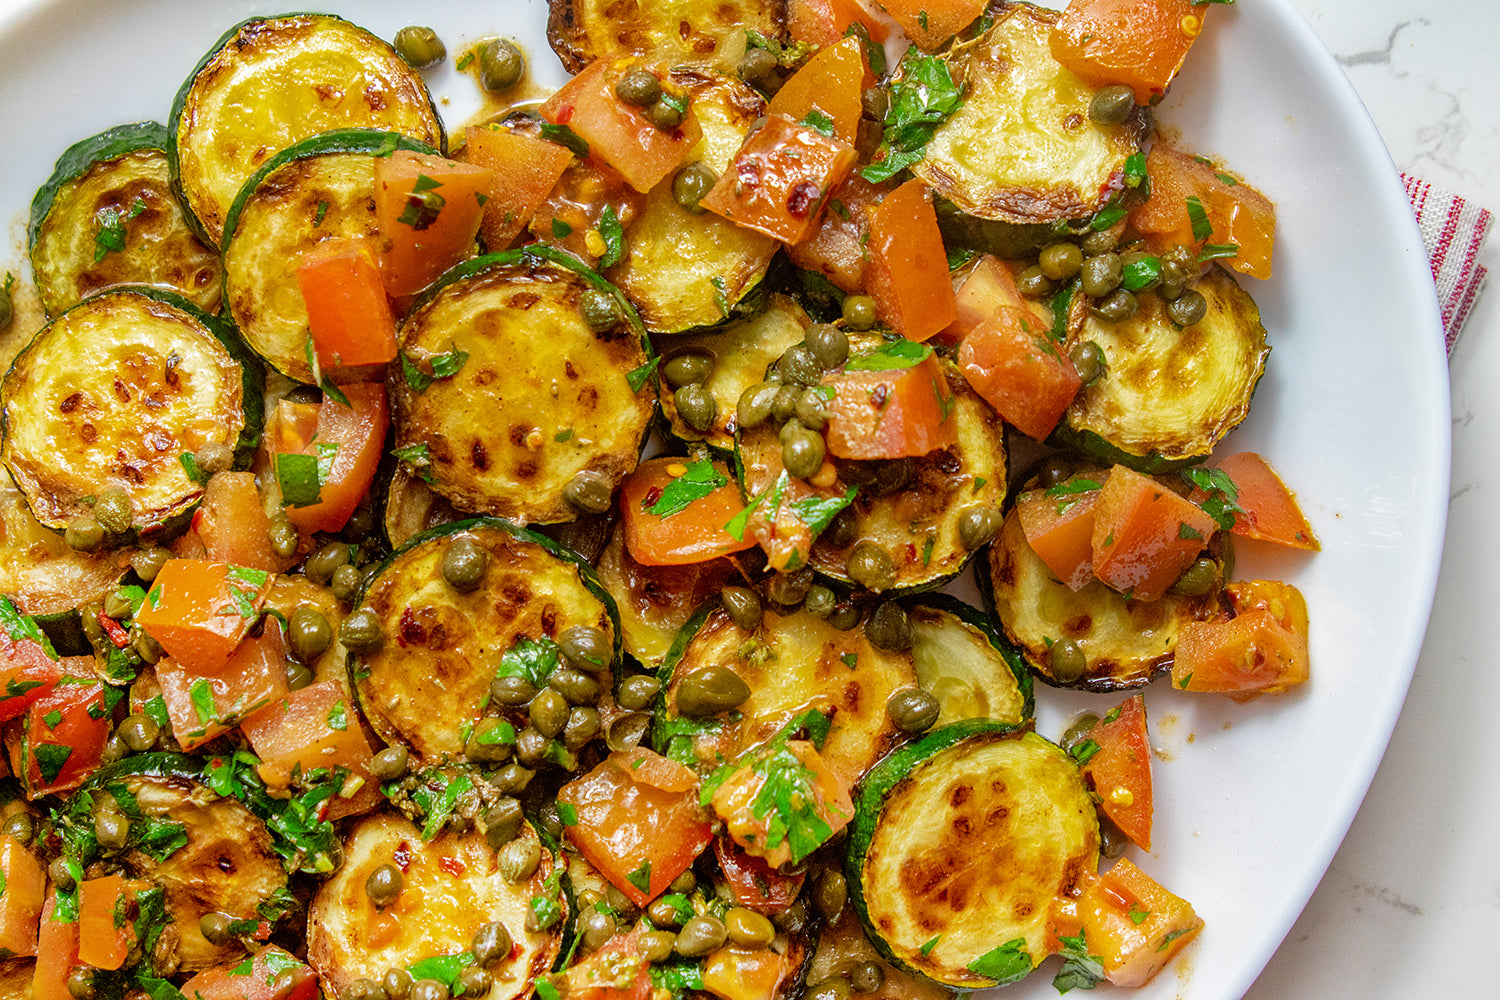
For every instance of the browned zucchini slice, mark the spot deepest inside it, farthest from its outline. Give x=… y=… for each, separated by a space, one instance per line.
x=541 y=396
x=40 y=570
x=965 y=664
x=695 y=32
x=1022 y=147
x=270 y=82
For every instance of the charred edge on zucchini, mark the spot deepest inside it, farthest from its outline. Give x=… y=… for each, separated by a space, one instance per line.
x=685 y=31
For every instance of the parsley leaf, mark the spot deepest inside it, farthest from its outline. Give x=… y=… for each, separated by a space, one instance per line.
x=638 y=377
x=818 y=122
x=893 y=355
x=613 y=235
x=700 y=479
x=1080 y=969
x=1198 y=218
x=531 y=659
x=564 y=136
x=1222 y=501
x=818 y=512
x=922 y=99
x=1083 y=752
x=111 y=234
x=1006 y=964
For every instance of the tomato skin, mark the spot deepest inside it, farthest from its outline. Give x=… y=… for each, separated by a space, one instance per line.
x=832 y=82
x=836 y=247
x=352 y=326
x=1269 y=510
x=780 y=180
x=1145 y=535
x=200 y=706
x=267 y=968
x=600 y=976
x=188 y=610
x=233 y=525
x=1237 y=213
x=28 y=671
x=692 y=535
x=754 y=883
x=1260 y=647
x=901 y=413
x=1012 y=363
x=524 y=171
x=1060 y=530
x=1120 y=770
x=1128 y=920
x=101 y=943
x=908 y=272
x=56 y=953
x=1138 y=43
x=68 y=728
x=737 y=973
x=824 y=22
x=930 y=23
x=414 y=251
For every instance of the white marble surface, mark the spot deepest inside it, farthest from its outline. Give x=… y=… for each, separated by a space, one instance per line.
x=1410 y=906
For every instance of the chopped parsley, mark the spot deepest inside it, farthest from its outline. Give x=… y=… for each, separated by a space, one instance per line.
x=110 y=236
x=893 y=355
x=700 y=480
x=1223 y=500
x=638 y=377
x=1080 y=970
x=1198 y=218
x=1006 y=964
x=613 y=235
x=923 y=98
x=423 y=204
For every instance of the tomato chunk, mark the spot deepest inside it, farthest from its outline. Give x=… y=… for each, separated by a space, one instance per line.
x=60 y=739
x=737 y=973
x=1188 y=191
x=1120 y=769
x=1019 y=370
x=673 y=513
x=323 y=476
x=233 y=525
x=780 y=179
x=836 y=247
x=746 y=802
x=21 y=902
x=200 y=610
x=353 y=328
x=103 y=941
x=1261 y=648
x=1138 y=43
x=1145 y=535
x=824 y=22
x=1059 y=527
x=1269 y=511
x=56 y=953
x=200 y=707
x=831 y=83
x=524 y=171
x=315 y=727
x=890 y=412
x=1128 y=920
x=908 y=272
x=617 y=971
x=930 y=23
x=29 y=668
x=428 y=210
x=640 y=836
x=273 y=973
x=756 y=884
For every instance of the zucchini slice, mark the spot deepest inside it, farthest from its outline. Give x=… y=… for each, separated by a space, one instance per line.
x=963 y=662
x=695 y=32
x=1168 y=393
x=959 y=845
x=540 y=397
x=793 y=662
x=320 y=188
x=1022 y=147
x=270 y=82
x=108 y=216
x=431 y=680
x=112 y=393
x=47 y=578
x=742 y=351
x=412 y=508
x=685 y=269
x=451 y=886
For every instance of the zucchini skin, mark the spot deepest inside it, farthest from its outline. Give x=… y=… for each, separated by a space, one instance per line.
x=83 y=154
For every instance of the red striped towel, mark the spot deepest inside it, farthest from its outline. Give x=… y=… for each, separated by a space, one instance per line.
x=1453 y=231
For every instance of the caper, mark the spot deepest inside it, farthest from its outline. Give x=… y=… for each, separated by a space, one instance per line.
x=832 y=988
x=802 y=451
x=1052 y=471
x=871 y=566
x=383 y=885
x=696 y=406
x=575 y=685
x=21 y=826
x=692 y=184
x=1188 y=308
x=977 y=525
x=464 y=564
x=512 y=778
x=889 y=627
x=828 y=344
x=475 y=981
x=1067 y=662
x=80 y=983
x=754 y=406
x=1112 y=840
x=145 y=645
x=625 y=732
x=420 y=47
x=1078 y=730
x=512 y=691
x=114 y=749
x=216 y=928
x=491 y=943
x=520 y=859
x=589 y=491
x=876 y=101
x=308 y=632
x=501 y=64
x=586 y=647
x=747 y=928
x=83 y=534
x=114 y=511
x=489 y=741
x=1088 y=360
x=599 y=310
x=912 y=709
x=788 y=589
x=284 y=537
x=1115 y=307
x=140 y=732
x=1171 y=288
x=638 y=86
x=390 y=763
x=1111 y=105
x=811 y=410
x=656 y=946
x=859 y=312
x=111 y=829
x=709 y=691
x=584 y=723
x=830 y=893
x=757 y=64
x=214 y=457
x=1201 y=578
x=1060 y=261
x=798 y=366
x=1033 y=284
x=502 y=822
x=61 y=875
x=792 y=919
x=320 y=565
x=346 y=583
x=148 y=562
x=427 y=989
x=637 y=692
x=666 y=114
x=548 y=712
x=663 y=912
x=743 y=607
x=700 y=936
x=361 y=633
x=118 y=605
x=532 y=747
x=867 y=977
x=363 y=989
x=396 y=983
x=1100 y=274
x=686 y=369
x=1098 y=242
x=842 y=530
x=684 y=883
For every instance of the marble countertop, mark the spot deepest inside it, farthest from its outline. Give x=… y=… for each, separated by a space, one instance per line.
x=1416 y=885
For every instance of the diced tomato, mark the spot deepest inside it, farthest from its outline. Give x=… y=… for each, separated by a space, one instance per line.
x=930 y=23
x=56 y=953
x=617 y=971
x=574 y=210
x=346 y=446
x=1060 y=530
x=908 y=271
x=1269 y=511
x=427 y=209
x=836 y=247
x=1145 y=535
x=832 y=83
x=1128 y=920
x=638 y=835
x=1019 y=370
x=778 y=528
x=61 y=737
x=524 y=171
x=199 y=610
x=352 y=326
x=754 y=883
x=780 y=179
x=695 y=533
x=103 y=941
x=1233 y=214
x=1138 y=43
x=824 y=22
x=1260 y=649
x=618 y=133
x=734 y=802
x=988 y=285
x=894 y=413
x=273 y=973
x=28 y=669
x=201 y=707
x=233 y=524
x=1120 y=770
x=315 y=727
x=737 y=973
x=21 y=902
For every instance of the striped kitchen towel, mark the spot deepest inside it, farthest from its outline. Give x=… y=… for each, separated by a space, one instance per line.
x=1453 y=231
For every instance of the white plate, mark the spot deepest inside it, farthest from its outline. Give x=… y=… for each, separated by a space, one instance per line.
x=1251 y=800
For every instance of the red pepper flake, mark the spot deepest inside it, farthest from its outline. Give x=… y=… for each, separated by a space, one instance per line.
x=803 y=197
x=402 y=856
x=652 y=495
x=117 y=635
x=412 y=632
x=452 y=866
